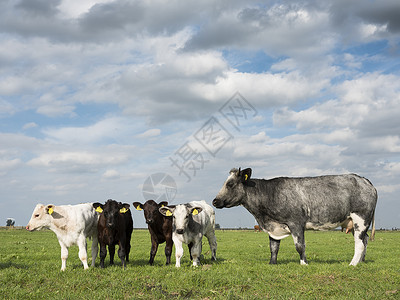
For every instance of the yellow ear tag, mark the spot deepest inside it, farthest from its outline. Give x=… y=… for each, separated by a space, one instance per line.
x=99 y=209
x=123 y=210
x=195 y=212
x=51 y=210
x=168 y=213
x=162 y=205
x=245 y=177
x=138 y=208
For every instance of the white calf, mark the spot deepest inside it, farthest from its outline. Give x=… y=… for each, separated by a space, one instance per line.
x=72 y=224
x=191 y=221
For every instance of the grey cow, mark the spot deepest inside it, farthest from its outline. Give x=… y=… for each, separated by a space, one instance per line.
x=284 y=206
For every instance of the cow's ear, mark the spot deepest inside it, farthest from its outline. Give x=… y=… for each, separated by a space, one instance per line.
x=162 y=204
x=196 y=210
x=98 y=207
x=138 y=205
x=245 y=175
x=167 y=211
x=49 y=209
x=124 y=208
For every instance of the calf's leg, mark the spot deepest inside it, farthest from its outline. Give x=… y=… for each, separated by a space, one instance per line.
x=212 y=241
x=83 y=251
x=111 y=249
x=122 y=253
x=64 y=256
x=153 y=251
x=103 y=254
x=168 y=250
x=274 y=248
x=128 y=245
x=196 y=252
x=95 y=249
x=178 y=252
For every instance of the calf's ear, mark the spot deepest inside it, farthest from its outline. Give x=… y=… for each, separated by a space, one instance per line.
x=196 y=210
x=138 y=205
x=162 y=204
x=49 y=209
x=98 y=207
x=124 y=208
x=166 y=211
x=245 y=174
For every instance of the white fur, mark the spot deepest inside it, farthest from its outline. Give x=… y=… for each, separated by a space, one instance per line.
x=207 y=220
x=72 y=224
x=359 y=248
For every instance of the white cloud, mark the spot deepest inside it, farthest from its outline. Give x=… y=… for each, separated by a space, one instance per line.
x=150 y=133
x=8 y=165
x=111 y=174
x=77 y=162
x=29 y=125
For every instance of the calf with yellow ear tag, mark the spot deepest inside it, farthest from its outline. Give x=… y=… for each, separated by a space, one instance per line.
x=190 y=222
x=114 y=227
x=160 y=227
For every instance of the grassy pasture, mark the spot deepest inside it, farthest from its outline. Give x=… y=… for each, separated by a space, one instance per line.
x=30 y=269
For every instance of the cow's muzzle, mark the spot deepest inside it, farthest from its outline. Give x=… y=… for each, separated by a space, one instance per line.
x=180 y=231
x=218 y=203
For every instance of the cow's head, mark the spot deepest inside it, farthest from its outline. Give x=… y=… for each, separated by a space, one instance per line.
x=111 y=211
x=181 y=215
x=150 y=209
x=232 y=192
x=41 y=217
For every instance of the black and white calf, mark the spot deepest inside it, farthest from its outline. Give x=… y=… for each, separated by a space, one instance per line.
x=190 y=222
x=284 y=206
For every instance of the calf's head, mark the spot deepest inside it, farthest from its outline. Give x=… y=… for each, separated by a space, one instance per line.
x=150 y=209
x=111 y=211
x=41 y=217
x=233 y=189
x=181 y=215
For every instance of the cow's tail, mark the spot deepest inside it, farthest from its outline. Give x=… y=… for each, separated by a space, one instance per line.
x=373 y=229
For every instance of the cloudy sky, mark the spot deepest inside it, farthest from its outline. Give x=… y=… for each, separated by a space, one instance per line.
x=126 y=99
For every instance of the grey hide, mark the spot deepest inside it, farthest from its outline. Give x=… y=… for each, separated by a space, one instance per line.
x=288 y=206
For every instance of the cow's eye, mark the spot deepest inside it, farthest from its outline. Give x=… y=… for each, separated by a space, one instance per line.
x=37 y=216
x=229 y=184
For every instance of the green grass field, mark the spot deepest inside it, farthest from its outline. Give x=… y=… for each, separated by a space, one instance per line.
x=30 y=269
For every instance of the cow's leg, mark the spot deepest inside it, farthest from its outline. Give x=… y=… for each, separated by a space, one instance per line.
x=82 y=245
x=178 y=252
x=360 y=239
x=95 y=249
x=196 y=252
x=103 y=254
x=190 y=246
x=168 y=251
x=122 y=253
x=153 y=251
x=274 y=248
x=299 y=242
x=365 y=242
x=212 y=241
x=64 y=256
x=111 y=249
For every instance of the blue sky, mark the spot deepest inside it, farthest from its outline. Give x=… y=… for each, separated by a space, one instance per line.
x=98 y=96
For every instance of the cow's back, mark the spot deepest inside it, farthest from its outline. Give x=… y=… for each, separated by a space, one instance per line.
x=71 y=221
x=318 y=199
x=84 y=217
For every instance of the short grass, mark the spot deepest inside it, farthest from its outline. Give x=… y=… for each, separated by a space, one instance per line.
x=30 y=269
